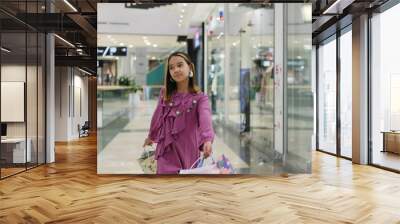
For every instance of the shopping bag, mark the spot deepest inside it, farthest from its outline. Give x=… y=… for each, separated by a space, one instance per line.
x=224 y=165
x=220 y=166
x=147 y=161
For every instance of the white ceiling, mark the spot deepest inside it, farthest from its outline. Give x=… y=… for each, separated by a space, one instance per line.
x=155 y=42
x=114 y=18
x=120 y=26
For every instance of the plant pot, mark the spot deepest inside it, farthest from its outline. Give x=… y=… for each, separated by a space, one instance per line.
x=134 y=99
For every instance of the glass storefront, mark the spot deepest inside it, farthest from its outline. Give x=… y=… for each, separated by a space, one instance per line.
x=299 y=93
x=245 y=32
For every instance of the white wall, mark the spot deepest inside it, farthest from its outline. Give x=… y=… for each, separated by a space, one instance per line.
x=71 y=94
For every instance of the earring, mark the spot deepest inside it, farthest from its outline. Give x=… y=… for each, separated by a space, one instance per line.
x=190 y=74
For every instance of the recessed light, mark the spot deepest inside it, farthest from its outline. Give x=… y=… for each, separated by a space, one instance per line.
x=144 y=37
x=5 y=49
x=154 y=45
x=108 y=36
x=117 y=58
x=130 y=46
x=65 y=41
x=153 y=58
x=148 y=44
x=121 y=44
x=183 y=11
x=71 y=6
x=181 y=16
x=184 y=4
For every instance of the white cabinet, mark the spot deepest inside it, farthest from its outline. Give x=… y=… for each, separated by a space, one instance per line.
x=18 y=149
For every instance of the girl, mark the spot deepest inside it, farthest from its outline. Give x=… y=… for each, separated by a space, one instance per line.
x=181 y=124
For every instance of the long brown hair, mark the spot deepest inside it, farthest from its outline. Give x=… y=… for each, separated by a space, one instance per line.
x=170 y=85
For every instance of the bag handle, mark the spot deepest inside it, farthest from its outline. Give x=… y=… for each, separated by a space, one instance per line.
x=201 y=158
x=148 y=151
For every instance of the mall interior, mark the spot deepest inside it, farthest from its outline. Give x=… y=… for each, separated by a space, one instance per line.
x=302 y=96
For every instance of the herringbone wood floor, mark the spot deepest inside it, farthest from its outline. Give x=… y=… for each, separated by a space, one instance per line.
x=70 y=191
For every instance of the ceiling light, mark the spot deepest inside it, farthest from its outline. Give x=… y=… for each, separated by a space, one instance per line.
x=144 y=37
x=121 y=44
x=154 y=45
x=117 y=58
x=183 y=11
x=334 y=5
x=181 y=16
x=148 y=44
x=5 y=50
x=64 y=40
x=86 y=72
x=184 y=4
x=109 y=36
x=79 y=50
x=153 y=58
x=130 y=46
x=70 y=5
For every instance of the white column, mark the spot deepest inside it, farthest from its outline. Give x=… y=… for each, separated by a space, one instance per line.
x=360 y=90
x=279 y=77
x=226 y=64
x=50 y=98
x=141 y=65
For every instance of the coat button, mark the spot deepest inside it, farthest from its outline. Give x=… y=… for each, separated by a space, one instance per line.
x=170 y=104
x=177 y=112
x=194 y=101
x=188 y=110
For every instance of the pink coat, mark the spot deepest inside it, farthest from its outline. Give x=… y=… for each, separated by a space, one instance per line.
x=180 y=128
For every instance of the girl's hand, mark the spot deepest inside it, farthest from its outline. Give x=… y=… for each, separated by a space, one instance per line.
x=147 y=141
x=207 y=150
